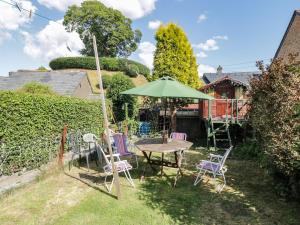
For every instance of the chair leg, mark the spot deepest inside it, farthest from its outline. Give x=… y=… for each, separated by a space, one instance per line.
x=137 y=162
x=87 y=161
x=224 y=183
x=128 y=177
x=198 y=178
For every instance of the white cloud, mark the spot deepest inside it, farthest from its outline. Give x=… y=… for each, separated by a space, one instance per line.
x=201 y=55
x=146 y=52
x=154 y=24
x=133 y=9
x=52 y=41
x=219 y=37
x=208 y=45
x=11 y=18
x=61 y=5
x=4 y=35
x=201 y=18
x=202 y=68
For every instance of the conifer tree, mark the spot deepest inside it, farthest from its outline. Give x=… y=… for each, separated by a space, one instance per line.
x=174 y=56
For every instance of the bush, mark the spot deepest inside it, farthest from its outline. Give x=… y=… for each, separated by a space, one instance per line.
x=106 y=80
x=37 y=88
x=248 y=150
x=119 y=83
x=275 y=115
x=111 y=64
x=25 y=118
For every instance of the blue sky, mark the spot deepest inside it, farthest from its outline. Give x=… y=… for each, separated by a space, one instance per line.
x=230 y=33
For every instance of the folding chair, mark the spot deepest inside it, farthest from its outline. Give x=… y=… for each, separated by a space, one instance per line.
x=214 y=166
x=121 y=166
x=121 y=146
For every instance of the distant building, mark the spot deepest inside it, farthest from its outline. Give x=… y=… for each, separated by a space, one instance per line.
x=67 y=83
x=74 y=83
x=229 y=90
x=290 y=43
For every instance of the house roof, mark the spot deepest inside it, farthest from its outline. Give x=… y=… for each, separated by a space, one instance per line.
x=241 y=78
x=222 y=79
x=290 y=43
x=62 y=82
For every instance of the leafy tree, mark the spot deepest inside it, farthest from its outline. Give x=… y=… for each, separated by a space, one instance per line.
x=42 y=69
x=275 y=115
x=113 y=31
x=174 y=56
x=119 y=83
x=37 y=89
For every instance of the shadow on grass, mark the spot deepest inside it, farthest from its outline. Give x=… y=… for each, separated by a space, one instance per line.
x=247 y=199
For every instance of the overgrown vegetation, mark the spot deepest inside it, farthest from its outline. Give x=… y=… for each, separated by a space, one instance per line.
x=113 y=31
x=37 y=88
x=129 y=67
x=275 y=115
x=27 y=118
x=119 y=83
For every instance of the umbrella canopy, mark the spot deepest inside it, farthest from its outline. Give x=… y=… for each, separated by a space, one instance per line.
x=167 y=87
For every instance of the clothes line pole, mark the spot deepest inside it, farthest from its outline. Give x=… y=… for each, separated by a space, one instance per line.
x=102 y=96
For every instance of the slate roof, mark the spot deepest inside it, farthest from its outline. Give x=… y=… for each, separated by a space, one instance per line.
x=62 y=82
x=242 y=77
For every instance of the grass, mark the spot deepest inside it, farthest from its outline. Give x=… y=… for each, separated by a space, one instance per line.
x=78 y=197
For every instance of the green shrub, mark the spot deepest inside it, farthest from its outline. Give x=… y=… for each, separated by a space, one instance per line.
x=106 y=80
x=111 y=64
x=248 y=150
x=119 y=83
x=37 y=89
x=42 y=69
x=25 y=118
x=132 y=70
x=275 y=116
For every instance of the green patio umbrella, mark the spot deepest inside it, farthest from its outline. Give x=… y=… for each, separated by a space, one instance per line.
x=167 y=87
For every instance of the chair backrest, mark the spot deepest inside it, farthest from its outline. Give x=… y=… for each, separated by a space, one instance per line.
x=228 y=150
x=178 y=136
x=120 y=143
x=100 y=151
x=89 y=138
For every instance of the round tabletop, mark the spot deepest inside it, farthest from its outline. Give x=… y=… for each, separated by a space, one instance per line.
x=156 y=145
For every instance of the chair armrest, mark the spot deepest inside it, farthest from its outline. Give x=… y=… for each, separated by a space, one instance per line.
x=215 y=157
x=207 y=161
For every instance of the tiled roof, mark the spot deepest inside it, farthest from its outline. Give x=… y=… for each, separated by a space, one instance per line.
x=242 y=77
x=222 y=79
x=62 y=82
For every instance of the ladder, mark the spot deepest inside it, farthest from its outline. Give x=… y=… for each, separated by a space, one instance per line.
x=219 y=132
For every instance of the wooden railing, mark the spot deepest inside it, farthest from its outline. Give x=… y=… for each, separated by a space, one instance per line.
x=224 y=109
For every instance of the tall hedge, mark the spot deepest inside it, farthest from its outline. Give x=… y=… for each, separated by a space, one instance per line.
x=275 y=115
x=25 y=117
x=129 y=67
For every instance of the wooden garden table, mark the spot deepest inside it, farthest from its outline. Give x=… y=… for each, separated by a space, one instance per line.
x=154 y=145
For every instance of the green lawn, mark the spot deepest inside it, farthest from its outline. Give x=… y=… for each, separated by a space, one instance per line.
x=78 y=197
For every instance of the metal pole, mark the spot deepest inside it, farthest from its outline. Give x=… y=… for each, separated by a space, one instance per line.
x=102 y=96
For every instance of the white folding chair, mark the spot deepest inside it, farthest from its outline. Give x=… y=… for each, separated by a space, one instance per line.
x=121 y=166
x=214 y=166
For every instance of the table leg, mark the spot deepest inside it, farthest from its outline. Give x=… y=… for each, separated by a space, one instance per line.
x=178 y=160
x=162 y=164
x=148 y=158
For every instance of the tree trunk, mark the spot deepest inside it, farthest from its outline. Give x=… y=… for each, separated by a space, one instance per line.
x=173 y=117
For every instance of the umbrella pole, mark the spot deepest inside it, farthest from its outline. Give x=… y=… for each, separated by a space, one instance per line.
x=102 y=95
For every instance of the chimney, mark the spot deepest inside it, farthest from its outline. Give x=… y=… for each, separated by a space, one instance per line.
x=219 y=70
